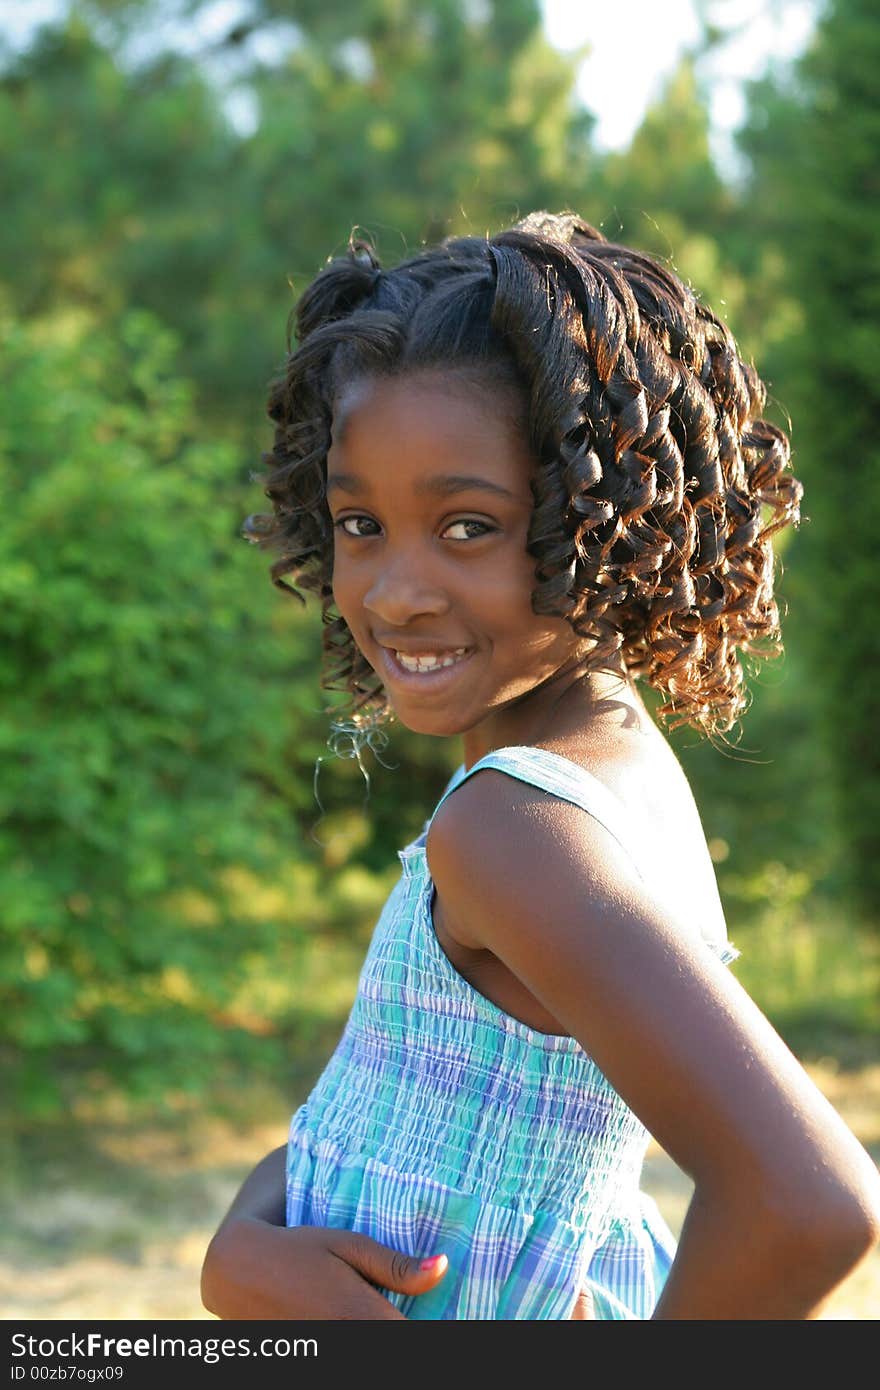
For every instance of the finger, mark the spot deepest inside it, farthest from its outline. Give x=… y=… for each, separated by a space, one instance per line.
x=583 y=1308
x=391 y=1269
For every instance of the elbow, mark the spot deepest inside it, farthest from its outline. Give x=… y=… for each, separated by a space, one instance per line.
x=820 y=1218
x=207 y=1287
x=820 y=1258
x=862 y=1222
x=214 y=1277
x=845 y=1245
x=856 y=1212
x=834 y=1229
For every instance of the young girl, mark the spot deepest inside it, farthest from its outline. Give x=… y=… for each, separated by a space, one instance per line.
x=521 y=472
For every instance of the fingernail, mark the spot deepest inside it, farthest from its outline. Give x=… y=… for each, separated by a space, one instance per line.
x=434 y=1263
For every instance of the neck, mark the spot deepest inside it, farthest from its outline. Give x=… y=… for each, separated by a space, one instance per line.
x=575 y=707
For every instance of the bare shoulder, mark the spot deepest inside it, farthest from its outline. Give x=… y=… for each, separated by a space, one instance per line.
x=495 y=824
x=497 y=828
x=501 y=840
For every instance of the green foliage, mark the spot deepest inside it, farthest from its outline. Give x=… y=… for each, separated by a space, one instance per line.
x=145 y=708
x=667 y=176
x=118 y=183
x=817 y=979
x=812 y=140
x=411 y=120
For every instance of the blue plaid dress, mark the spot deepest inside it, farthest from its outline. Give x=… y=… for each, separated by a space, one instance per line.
x=442 y=1124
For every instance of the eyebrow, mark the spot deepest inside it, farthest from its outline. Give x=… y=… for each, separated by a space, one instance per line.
x=440 y=485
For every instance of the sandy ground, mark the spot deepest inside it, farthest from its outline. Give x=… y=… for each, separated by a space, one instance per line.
x=115 y=1226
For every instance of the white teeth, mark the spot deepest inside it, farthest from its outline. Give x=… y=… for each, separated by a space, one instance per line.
x=430 y=661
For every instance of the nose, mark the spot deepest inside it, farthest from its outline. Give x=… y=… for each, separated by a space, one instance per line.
x=403 y=590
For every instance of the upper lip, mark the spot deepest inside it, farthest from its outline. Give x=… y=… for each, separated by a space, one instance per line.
x=421 y=647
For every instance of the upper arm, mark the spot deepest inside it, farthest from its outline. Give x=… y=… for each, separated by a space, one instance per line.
x=549 y=891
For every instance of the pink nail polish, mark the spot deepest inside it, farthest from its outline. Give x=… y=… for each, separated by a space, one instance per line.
x=433 y=1263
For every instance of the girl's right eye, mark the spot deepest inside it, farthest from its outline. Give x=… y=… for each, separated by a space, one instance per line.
x=341 y=525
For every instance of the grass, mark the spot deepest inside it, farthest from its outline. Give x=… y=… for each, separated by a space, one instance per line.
x=815 y=975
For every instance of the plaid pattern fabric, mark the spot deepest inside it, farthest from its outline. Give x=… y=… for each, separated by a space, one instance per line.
x=442 y=1124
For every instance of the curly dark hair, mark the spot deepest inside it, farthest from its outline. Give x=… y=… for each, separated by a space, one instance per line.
x=658 y=485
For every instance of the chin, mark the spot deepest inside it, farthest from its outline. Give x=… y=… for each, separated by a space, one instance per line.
x=437 y=725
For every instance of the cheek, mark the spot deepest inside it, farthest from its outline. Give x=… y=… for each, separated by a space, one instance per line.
x=543 y=636
x=345 y=599
x=555 y=631
x=507 y=596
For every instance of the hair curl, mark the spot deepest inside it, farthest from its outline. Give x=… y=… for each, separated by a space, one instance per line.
x=658 y=488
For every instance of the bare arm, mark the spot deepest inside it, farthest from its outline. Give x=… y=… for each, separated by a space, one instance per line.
x=257 y=1268
x=261 y=1195
x=786 y=1201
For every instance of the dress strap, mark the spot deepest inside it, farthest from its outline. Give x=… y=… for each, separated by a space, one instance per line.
x=566 y=779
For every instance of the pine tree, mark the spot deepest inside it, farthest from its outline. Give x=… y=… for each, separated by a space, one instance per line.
x=813 y=142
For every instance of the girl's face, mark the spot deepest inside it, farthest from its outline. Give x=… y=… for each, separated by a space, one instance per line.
x=428 y=487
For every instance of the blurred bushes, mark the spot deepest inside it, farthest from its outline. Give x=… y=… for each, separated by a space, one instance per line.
x=148 y=714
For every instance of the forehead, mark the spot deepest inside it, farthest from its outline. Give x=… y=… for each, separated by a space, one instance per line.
x=414 y=423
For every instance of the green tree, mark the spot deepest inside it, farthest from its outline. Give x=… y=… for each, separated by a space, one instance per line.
x=117 y=182
x=129 y=186
x=812 y=139
x=147 y=716
x=667 y=170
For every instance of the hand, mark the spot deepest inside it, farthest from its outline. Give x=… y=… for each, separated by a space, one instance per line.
x=254 y=1270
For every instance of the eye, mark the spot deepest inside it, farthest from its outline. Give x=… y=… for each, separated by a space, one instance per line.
x=340 y=525
x=483 y=531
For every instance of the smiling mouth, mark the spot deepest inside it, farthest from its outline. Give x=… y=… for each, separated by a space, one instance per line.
x=431 y=668
x=431 y=661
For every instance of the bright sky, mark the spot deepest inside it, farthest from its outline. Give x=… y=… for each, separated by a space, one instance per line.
x=647 y=37
x=624 y=37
